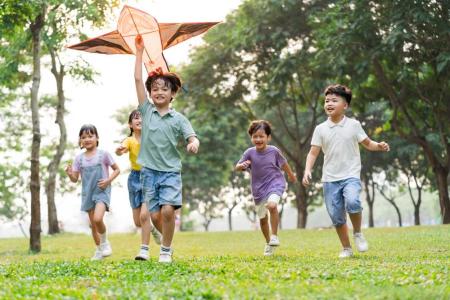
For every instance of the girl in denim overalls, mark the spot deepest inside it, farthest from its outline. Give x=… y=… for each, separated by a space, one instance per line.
x=93 y=166
x=141 y=215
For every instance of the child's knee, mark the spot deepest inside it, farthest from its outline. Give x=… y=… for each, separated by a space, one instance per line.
x=353 y=206
x=98 y=221
x=143 y=218
x=272 y=207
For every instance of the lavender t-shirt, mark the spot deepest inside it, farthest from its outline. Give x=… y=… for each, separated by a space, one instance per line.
x=91 y=161
x=265 y=169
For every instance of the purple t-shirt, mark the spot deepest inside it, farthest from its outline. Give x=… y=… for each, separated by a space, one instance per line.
x=265 y=169
x=91 y=161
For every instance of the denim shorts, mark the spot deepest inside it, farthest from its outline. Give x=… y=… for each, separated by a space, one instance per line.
x=161 y=188
x=135 y=189
x=340 y=197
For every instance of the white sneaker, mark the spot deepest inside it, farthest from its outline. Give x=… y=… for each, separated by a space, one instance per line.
x=346 y=253
x=165 y=257
x=274 y=241
x=142 y=255
x=97 y=255
x=105 y=249
x=268 y=250
x=156 y=235
x=360 y=241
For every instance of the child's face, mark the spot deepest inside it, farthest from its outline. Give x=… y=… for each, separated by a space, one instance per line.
x=160 y=93
x=260 y=139
x=136 y=122
x=335 y=105
x=88 y=140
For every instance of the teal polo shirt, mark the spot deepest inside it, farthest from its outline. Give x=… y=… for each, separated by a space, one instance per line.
x=160 y=137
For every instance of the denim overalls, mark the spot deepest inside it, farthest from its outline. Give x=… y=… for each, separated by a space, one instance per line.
x=90 y=192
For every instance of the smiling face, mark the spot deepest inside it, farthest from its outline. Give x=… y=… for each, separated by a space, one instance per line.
x=260 y=139
x=88 y=140
x=161 y=93
x=335 y=106
x=136 y=122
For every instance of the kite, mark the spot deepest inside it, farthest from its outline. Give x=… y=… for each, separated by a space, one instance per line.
x=156 y=36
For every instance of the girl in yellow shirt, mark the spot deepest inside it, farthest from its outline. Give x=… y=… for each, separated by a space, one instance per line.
x=141 y=214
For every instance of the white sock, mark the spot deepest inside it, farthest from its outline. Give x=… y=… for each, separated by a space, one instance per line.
x=103 y=238
x=144 y=247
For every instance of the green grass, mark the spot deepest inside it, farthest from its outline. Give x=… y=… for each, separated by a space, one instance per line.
x=406 y=263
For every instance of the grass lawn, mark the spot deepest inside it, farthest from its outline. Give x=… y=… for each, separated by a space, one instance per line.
x=402 y=263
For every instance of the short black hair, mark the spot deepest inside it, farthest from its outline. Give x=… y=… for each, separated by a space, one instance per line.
x=340 y=90
x=260 y=124
x=171 y=80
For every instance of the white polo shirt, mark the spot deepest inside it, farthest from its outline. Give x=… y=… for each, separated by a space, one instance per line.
x=340 y=146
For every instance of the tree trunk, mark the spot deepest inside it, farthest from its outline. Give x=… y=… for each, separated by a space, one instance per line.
x=444 y=201
x=35 y=226
x=230 y=224
x=50 y=186
x=302 y=205
x=416 y=215
x=398 y=214
x=369 y=199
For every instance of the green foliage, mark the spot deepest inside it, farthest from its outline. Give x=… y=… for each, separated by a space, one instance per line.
x=408 y=263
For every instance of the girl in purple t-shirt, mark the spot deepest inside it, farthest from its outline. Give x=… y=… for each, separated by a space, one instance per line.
x=266 y=163
x=92 y=166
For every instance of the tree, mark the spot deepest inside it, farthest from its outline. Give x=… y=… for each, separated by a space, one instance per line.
x=63 y=18
x=403 y=47
x=261 y=63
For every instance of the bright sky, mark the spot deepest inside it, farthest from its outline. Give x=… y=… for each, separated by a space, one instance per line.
x=114 y=88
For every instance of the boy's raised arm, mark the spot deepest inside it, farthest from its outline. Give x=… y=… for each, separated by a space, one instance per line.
x=140 y=88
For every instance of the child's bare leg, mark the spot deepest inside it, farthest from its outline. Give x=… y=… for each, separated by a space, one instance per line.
x=94 y=231
x=136 y=216
x=99 y=212
x=274 y=217
x=342 y=231
x=264 y=224
x=168 y=224
x=145 y=224
x=156 y=220
x=356 y=221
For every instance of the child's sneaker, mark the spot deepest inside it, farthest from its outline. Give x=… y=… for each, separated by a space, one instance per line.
x=97 y=255
x=360 y=241
x=165 y=256
x=268 y=250
x=105 y=249
x=142 y=255
x=346 y=253
x=274 y=241
x=156 y=235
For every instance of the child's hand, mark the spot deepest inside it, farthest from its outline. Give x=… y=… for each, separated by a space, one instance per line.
x=103 y=183
x=68 y=170
x=245 y=164
x=383 y=146
x=292 y=178
x=192 y=147
x=121 y=150
x=306 y=178
x=139 y=43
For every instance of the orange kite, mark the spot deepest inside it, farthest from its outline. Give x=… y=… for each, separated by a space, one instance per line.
x=157 y=37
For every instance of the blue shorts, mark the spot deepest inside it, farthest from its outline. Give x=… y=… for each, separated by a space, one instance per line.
x=161 y=188
x=340 y=197
x=135 y=189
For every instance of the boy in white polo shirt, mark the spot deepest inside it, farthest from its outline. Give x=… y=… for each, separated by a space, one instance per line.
x=339 y=138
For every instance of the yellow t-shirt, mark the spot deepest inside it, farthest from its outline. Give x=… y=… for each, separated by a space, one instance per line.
x=133 y=146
